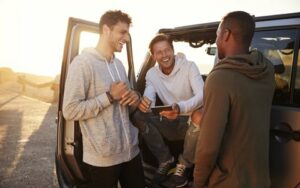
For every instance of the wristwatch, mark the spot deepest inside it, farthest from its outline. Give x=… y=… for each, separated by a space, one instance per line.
x=110 y=97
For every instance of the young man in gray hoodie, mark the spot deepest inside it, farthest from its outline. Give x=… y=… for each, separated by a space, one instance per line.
x=233 y=145
x=98 y=95
x=177 y=82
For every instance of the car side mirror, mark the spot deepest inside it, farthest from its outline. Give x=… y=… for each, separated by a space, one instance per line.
x=211 y=50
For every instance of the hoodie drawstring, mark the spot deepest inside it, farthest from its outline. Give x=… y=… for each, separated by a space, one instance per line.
x=120 y=109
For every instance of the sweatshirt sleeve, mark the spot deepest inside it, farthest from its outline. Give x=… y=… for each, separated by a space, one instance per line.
x=213 y=123
x=197 y=85
x=76 y=106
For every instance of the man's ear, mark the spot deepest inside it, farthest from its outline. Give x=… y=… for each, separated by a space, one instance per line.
x=227 y=34
x=106 y=29
x=153 y=57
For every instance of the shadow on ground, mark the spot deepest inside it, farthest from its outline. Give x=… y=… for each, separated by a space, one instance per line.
x=27 y=142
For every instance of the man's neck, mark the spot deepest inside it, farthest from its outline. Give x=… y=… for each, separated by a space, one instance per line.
x=104 y=50
x=168 y=71
x=237 y=50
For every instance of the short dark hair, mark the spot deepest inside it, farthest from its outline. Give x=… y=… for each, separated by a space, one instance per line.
x=158 y=38
x=241 y=24
x=112 y=17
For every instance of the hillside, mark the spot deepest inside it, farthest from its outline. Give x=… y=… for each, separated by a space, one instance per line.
x=34 y=86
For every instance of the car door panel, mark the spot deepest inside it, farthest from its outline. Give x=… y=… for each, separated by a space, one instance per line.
x=71 y=170
x=285 y=147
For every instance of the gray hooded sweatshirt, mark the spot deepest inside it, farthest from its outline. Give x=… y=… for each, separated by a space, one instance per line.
x=233 y=145
x=108 y=136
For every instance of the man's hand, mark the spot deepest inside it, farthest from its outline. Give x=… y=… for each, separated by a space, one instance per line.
x=171 y=114
x=117 y=89
x=130 y=98
x=145 y=104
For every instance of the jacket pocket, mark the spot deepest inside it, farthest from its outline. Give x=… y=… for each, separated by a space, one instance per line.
x=104 y=138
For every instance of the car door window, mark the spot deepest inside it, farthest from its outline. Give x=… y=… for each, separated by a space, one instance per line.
x=278 y=47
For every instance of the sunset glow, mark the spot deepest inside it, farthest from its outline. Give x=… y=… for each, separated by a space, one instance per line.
x=33 y=32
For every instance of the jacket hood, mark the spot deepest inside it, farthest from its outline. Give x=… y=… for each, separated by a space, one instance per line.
x=180 y=60
x=253 y=65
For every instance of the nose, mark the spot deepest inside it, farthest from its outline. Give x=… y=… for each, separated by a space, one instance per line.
x=164 y=53
x=127 y=37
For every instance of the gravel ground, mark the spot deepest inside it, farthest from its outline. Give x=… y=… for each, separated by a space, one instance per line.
x=27 y=142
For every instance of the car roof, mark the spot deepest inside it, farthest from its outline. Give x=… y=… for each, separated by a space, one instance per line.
x=199 y=34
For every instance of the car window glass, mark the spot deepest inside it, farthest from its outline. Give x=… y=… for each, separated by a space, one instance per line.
x=88 y=39
x=278 y=47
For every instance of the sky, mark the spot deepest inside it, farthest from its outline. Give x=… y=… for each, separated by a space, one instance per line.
x=32 y=32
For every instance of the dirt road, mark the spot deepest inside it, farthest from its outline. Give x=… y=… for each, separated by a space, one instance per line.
x=27 y=142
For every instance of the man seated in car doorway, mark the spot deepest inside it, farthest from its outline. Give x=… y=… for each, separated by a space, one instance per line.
x=177 y=82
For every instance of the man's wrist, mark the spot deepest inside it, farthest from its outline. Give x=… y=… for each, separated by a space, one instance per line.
x=110 y=97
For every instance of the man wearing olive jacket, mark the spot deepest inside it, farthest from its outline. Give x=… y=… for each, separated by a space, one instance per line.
x=233 y=145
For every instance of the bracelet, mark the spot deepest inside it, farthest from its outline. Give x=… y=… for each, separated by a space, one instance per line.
x=110 y=97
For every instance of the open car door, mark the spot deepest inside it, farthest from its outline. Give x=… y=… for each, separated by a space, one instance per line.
x=68 y=157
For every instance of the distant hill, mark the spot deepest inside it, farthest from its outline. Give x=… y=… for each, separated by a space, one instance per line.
x=6 y=74
x=35 y=86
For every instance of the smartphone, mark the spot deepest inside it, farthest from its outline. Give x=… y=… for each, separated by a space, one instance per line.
x=157 y=109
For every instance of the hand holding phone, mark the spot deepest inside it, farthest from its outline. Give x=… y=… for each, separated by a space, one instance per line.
x=157 y=109
x=171 y=113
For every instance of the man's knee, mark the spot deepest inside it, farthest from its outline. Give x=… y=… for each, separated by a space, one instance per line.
x=139 y=119
x=197 y=116
x=138 y=116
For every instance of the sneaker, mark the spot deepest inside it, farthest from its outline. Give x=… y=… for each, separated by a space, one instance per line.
x=180 y=177
x=162 y=172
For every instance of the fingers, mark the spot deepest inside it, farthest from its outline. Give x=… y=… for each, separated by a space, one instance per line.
x=118 y=89
x=145 y=104
x=142 y=106
x=170 y=114
x=126 y=98
x=135 y=100
x=129 y=98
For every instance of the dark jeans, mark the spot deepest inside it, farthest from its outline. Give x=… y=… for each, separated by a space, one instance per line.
x=130 y=175
x=153 y=128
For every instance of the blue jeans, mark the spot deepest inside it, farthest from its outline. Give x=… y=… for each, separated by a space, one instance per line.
x=153 y=129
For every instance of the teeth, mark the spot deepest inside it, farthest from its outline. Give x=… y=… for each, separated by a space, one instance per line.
x=166 y=60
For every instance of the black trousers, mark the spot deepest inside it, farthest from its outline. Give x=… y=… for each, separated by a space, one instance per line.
x=130 y=175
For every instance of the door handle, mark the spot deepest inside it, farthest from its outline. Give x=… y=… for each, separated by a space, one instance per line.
x=284 y=133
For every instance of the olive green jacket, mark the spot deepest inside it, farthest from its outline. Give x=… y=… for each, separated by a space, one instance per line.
x=233 y=145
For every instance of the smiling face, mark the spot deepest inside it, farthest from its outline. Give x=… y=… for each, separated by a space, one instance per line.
x=118 y=35
x=163 y=53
